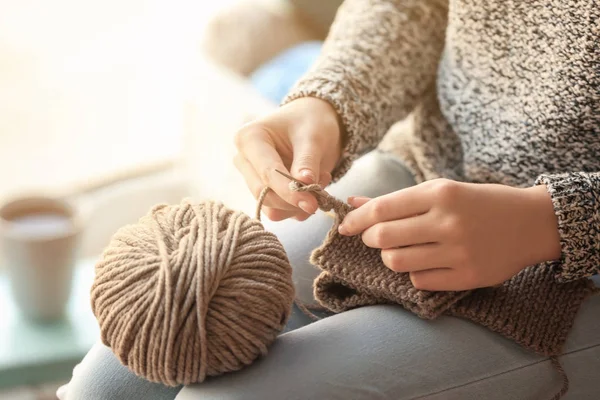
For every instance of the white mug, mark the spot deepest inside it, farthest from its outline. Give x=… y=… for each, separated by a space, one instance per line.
x=39 y=247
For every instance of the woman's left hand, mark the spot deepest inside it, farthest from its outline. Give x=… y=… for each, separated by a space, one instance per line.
x=458 y=236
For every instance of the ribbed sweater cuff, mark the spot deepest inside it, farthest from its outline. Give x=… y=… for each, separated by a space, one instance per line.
x=575 y=200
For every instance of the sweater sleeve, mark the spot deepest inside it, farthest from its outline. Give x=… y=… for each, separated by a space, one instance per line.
x=378 y=60
x=576 y=200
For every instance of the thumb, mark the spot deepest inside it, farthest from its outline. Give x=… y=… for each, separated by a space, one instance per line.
x=306 y=165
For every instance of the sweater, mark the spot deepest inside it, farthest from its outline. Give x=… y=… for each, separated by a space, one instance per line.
x=500 y=91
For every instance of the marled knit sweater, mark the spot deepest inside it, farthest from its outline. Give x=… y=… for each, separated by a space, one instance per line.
x=501 y=91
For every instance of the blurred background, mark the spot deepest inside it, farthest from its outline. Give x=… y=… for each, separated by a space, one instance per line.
x=107 y=108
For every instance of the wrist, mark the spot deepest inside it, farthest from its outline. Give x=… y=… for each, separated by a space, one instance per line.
x=544 y=235
x=324 y=116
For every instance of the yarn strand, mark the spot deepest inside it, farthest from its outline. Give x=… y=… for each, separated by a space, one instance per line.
x=260 y=201
x=565 y=379
x=326 y=203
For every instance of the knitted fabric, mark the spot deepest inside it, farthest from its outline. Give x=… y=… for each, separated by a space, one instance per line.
x=354 y=275
x=533 y=308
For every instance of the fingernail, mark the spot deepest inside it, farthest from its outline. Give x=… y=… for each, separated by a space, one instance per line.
x=308 y=174
x=342 y=230
x=354 y=200
x=305 y=206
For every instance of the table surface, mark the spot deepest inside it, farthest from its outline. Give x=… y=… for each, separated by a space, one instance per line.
x=33 y=353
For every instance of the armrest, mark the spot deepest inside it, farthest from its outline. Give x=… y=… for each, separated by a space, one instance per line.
x=246 y=35
x=320 y=13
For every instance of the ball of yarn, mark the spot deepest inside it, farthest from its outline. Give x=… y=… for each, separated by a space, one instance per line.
x=191 y=291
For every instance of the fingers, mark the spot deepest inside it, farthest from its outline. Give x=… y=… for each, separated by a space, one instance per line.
x=266 y=162
x=307 y=160
x=401 y=204
x=279 y=215
x=415 y=258
x=325 y=179
x=401 y=233
x=274 y=207
x=256 y=186
x=275 y=214
x=358 y=201
x=440 y=279
x=260 y=153
x=301 y=217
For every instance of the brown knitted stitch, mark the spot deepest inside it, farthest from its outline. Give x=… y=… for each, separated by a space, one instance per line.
x=533 y=308
x=337 y=296
x=360 y=273
x=345 y=284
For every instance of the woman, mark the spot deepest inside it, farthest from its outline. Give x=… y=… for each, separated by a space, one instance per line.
x=505 y=98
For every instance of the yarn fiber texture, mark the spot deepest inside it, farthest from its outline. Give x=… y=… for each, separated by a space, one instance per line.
x=190 y=291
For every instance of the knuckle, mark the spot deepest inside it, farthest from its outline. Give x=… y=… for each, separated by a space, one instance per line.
x=392 y=260
x=380 y=236
x=349 y=224
x=452 y=226
x=377 y=237
x=378 y=209
x=249 y=132
x=241 y=137
x=305 y=159
x=265 y=175
x=445 y=189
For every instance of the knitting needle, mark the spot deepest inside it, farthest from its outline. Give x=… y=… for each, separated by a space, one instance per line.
x=329 y=213
x=290 y=177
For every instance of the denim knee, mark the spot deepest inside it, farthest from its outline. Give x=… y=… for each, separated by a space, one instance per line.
x=100 y=376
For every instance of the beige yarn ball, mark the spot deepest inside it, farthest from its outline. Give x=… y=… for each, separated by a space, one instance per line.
x=190 y=291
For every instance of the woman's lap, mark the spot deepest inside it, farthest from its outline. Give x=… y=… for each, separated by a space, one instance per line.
x=384 y=352
x=375 y=352
x=379 y=352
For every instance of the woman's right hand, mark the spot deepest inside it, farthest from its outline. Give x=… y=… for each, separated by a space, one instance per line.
x=302 y=138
